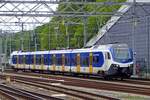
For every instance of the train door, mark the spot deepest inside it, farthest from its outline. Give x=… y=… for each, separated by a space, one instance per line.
x=24 y=66
x=90 y=63
x=67 y=62
x=63 y=62
x=78 y=63
x=42 y=63
x=54 y=62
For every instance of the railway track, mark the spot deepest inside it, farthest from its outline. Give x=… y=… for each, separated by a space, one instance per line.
x=130 y=81
x=7 y=96
x=15 y=94
x=72 y=92
x=103 y=85
x=60 y=77
x=142 y=88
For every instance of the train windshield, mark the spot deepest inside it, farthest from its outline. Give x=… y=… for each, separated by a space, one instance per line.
x=121 y=54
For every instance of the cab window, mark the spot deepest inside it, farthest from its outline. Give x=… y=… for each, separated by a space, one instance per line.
x=107 y=55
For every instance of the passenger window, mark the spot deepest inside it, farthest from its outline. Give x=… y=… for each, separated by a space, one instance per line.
x=32 y=59
x=95 y=59
x=73 y=59
x=98 y=59
x=26 y=60
x=84 y=59
x=54 y=59
x=67 y=59
x=38 y=59
x=58 y=59
x=63 y=59
x=20 y=59
x=14 y=59
x=47 y=59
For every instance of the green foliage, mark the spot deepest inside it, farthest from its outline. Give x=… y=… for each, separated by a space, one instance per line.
x=57 y=30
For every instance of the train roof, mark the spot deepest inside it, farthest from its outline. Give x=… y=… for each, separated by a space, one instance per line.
x=95 y=48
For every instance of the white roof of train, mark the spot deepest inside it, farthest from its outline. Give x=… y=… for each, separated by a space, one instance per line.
x=93 y=49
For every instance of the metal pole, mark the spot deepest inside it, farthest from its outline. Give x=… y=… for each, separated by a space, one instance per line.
x=0 y=53
x=49 y=37
x=133 y=39
x=56 y=36
x=1 y=44
x=147 y=68
x=85 y=32
x=35 y=38
x=35 y=41
x=68 y=37
x=5 y=60
x=22 y=47
x=29 y=41
x=10 y=45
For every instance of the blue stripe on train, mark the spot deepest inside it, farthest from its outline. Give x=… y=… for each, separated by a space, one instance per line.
x=70 y=59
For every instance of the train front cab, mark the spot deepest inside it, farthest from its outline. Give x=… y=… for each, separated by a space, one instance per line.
x=120 y=63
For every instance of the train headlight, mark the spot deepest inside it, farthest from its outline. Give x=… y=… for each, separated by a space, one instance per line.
x=115 y=66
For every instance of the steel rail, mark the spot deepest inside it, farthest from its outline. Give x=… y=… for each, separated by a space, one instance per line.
x=25 y=93
x=19 y=93
x=72 y=92
x=105 y=85
x=45 y=84
x=7 y=96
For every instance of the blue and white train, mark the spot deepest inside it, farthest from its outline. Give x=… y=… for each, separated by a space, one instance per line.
x=112 y=60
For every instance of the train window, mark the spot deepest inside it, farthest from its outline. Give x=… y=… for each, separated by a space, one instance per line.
x=107 y=55
x=24 y=59
x=42 y=59
x=67 y=59
x=47 y=59
x=14 y=59
x=98 y=59
x=73 y=59
x=32 y=59
x=84 y=59
x=58 y=59
x=53 y=59
x=95 y=59
x=38 y=59
x=20 y=59
x=27 y=59
x=63 y=59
